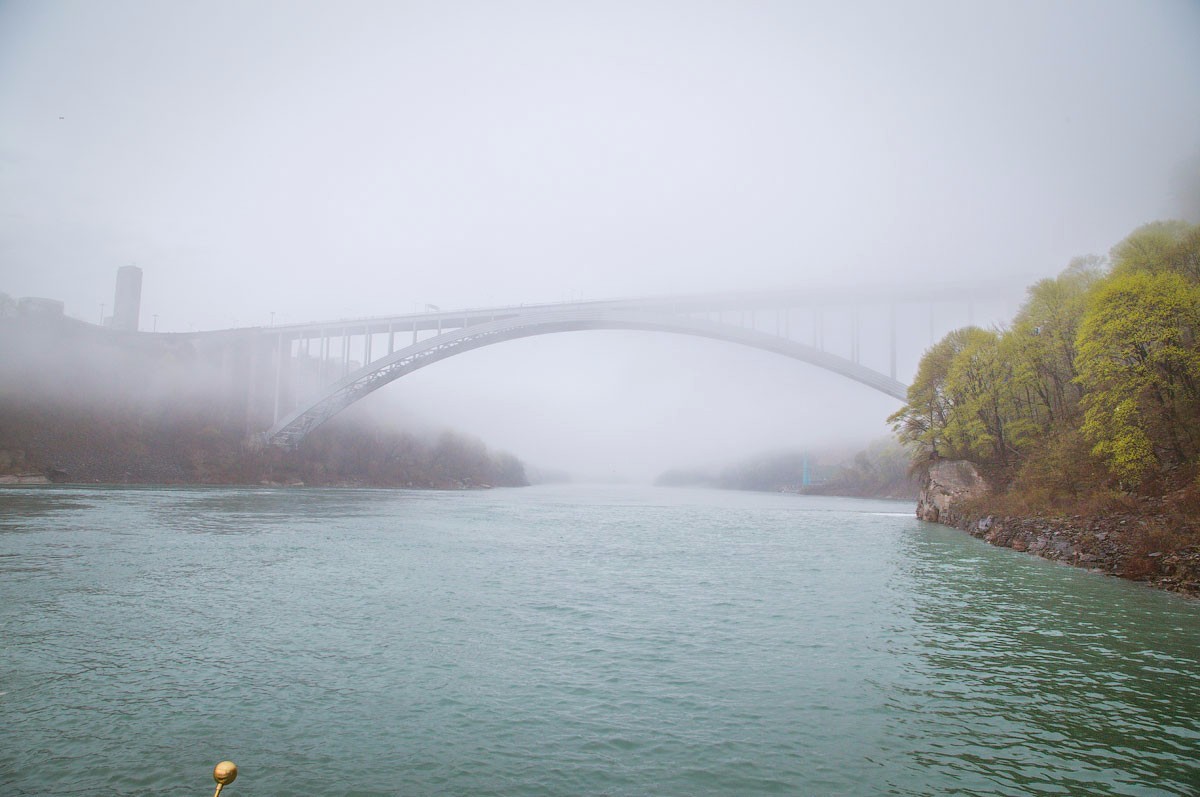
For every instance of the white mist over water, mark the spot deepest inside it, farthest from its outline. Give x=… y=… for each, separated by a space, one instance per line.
x=272 y=163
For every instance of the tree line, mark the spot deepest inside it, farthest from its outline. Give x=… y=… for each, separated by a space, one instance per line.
x=1094 y=384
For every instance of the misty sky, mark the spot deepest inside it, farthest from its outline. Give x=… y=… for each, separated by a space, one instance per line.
x=324 y=160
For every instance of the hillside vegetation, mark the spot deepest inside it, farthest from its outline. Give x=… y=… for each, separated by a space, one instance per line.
x=1089 y=402
x=879 y=471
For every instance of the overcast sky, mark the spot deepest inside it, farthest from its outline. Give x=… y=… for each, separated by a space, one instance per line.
x=323 y=160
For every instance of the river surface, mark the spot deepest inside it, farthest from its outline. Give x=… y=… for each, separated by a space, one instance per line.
x=569 y=641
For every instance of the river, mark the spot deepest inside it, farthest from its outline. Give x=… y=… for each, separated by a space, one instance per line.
x=569 y=640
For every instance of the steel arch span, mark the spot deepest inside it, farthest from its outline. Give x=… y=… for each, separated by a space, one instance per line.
x=293 y=428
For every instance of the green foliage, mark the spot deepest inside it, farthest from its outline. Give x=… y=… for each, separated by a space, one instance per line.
x=881 y=470
x=1139 y=366
x=1157 y=247
x=975 y=384
x=1041 y=344
x=1106 y=360
x=962 y=404
x=922 y=422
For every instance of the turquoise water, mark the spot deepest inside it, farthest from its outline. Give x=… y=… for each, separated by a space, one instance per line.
x=569 y=641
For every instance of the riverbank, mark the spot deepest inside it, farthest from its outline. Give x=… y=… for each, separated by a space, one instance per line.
x=1154 y=540
x=881 y=470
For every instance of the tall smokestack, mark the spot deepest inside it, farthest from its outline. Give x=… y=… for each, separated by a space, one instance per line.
x=127 y=307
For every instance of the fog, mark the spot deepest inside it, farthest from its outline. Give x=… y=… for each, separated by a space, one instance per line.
x=276 y=162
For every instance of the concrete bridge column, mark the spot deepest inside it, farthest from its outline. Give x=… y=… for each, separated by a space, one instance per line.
x=279 y=357
x=324 y=356
x=892 y=337
x=854 y=334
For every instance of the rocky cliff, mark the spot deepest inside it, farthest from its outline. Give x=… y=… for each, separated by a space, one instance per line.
x=947 y=487
x=1145 y=539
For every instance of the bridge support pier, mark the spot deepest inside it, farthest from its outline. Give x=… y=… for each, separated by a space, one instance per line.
x=855 y=332
x=892 y=338
x=279 y=365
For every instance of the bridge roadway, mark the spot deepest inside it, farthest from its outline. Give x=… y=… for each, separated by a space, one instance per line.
x=292 y=417
x=437 y=319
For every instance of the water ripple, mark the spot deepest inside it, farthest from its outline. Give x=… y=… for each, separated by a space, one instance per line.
x=570 y=641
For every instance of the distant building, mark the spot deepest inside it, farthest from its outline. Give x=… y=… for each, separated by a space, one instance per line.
x=127 y=306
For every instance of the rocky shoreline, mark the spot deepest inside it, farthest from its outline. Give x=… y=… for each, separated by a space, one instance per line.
x=1141 y=544
x=24 y=478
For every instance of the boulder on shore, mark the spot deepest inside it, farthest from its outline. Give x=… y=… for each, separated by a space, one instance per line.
x=946 y=486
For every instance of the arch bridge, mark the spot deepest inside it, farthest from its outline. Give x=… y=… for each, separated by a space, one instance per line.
x=304 y=374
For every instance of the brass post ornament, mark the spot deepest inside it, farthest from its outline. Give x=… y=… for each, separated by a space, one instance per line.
x=224 y=773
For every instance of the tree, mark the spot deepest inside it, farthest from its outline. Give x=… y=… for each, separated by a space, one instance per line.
x=1139 y=366
x=986 y=423
x=1154 y=248
x=1041 y=345
x=923 y=421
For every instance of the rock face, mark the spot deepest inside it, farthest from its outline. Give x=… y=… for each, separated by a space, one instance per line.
x=24 y=478
x=946 y=486
x=1114 y=542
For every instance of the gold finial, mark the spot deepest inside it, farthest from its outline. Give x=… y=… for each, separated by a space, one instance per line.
x=224 y=773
